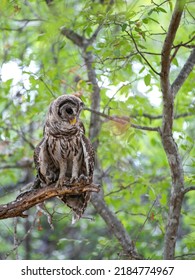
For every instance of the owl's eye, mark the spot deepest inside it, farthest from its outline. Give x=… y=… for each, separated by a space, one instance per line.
x=69 y=111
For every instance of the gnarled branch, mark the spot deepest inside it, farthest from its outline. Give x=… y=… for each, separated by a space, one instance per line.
x=34 y=196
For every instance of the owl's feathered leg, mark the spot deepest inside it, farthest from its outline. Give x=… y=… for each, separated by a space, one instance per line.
x=62 y=179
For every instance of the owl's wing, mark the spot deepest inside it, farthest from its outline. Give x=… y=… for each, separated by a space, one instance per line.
x=46 y=169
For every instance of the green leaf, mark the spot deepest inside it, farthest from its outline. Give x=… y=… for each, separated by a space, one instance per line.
x=175 y=62
x=124 y=26
x=147 y=79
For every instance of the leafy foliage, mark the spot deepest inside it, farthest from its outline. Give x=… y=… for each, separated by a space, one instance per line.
x=38 y=63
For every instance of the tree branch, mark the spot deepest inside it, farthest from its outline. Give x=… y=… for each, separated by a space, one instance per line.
x=169 y=144
x=186 y=44
x=124 y=120
x=32 y=197
x=158 y=117
x=74 y=37
x=191 y=188
x=167 y=47
x=184 y=73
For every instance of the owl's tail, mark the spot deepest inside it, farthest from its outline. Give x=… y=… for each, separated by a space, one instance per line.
x=78 y=204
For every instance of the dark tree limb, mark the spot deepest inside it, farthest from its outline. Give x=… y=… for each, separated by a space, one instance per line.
x=34 y=196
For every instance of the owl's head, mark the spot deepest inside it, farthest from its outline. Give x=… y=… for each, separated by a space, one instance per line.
x=66 y=108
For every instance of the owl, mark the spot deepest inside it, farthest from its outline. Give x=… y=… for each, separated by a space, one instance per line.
x=65 y=155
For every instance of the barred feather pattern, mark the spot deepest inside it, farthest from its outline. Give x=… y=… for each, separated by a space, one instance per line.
x=65 y=154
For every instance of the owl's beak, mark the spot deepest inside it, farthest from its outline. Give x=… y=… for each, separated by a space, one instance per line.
x=73 y=121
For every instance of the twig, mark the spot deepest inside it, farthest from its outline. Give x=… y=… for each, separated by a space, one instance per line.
x=118 y=90
x=45 y=84
x=141 y=54
x=186 y=44
x=121 y=188
x=19 y=242
x=158 y=117
x=148 y=216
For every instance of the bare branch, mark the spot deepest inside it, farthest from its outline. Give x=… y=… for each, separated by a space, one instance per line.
x=148 y=128
x=191 y=188
x=186 y=44
x=32 y=197
x=124 y=120
x=158 y=117
x=184 y=73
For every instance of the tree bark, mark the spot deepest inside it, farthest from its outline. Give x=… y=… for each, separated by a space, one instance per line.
x=168 y=141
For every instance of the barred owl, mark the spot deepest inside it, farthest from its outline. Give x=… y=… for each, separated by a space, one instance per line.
x=65 y=154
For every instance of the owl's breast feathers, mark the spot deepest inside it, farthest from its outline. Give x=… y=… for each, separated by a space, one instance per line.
x=66 y=143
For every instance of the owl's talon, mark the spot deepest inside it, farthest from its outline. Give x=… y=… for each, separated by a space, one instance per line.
x=58 y=185
x=62 y=182
x=73 y=180
x=83 y=179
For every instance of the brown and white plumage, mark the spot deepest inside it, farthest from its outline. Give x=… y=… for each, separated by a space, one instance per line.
x=65 y=154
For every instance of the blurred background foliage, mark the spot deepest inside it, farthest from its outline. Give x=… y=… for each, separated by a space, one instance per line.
x=38 y=63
